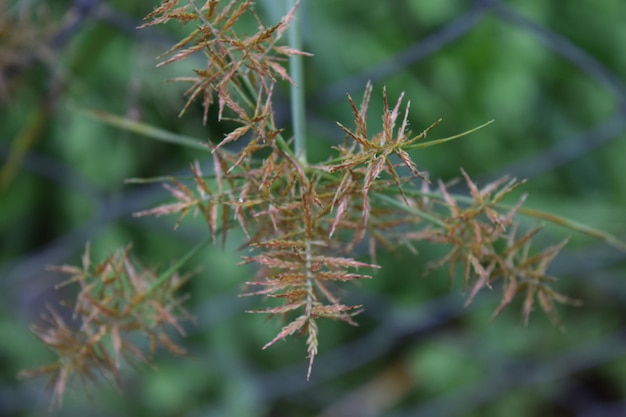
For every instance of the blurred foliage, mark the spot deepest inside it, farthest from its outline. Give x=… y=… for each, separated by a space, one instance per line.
x=66 y=187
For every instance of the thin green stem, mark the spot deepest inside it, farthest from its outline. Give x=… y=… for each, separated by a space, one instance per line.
x=170 y=271
x=420 y=145
x=296 y=72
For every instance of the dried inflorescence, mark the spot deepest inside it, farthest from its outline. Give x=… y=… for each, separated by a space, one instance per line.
x=234 y=64
x=117 y=300
x=303 y=222
x=483 y=239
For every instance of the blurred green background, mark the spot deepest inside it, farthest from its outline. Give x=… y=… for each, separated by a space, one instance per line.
x=551 y=74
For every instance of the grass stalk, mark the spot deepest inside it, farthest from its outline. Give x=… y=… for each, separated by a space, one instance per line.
x=296 y=72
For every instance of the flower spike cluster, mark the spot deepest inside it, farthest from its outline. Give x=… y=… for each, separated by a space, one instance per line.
x=483 y=240
x=302 y=221
x=116 y=298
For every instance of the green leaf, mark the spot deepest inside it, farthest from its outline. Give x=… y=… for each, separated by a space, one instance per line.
x=421 y=145
x=576 y=226
x=144 y=129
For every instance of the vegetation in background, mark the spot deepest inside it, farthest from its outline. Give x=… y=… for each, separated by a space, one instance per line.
x=305 y=221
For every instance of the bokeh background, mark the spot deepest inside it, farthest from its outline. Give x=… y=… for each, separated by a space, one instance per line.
x=551 y=74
